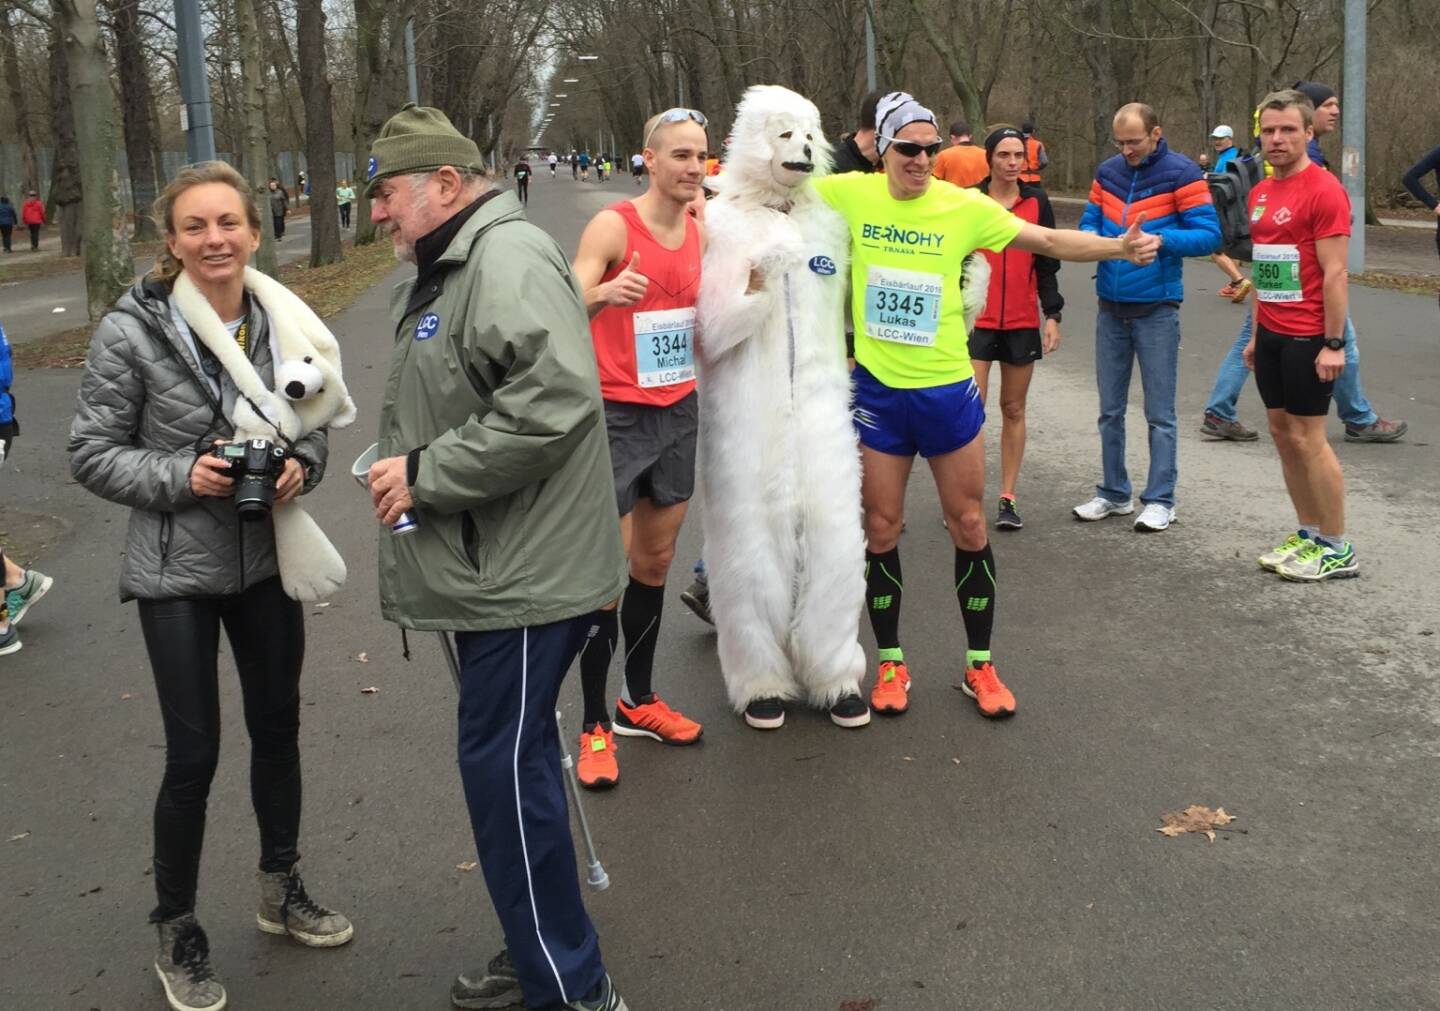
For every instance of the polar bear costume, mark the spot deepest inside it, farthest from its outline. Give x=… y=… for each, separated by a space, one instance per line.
x=312 y=395
x=779 y=460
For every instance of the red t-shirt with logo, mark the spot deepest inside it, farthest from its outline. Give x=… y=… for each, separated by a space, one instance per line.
x=1286 y=217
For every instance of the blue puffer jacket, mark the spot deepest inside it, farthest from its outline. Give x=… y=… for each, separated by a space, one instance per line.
x=7 y=376
x=1172 y=192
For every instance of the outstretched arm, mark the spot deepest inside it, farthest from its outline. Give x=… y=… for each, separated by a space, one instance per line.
x=1081 y=247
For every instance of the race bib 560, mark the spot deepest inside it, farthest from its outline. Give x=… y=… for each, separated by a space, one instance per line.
x=1277 y=273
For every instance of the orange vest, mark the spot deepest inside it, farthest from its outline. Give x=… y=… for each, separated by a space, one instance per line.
x=1032 y=161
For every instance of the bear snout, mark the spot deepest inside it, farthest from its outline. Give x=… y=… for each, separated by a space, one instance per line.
x=808 y=155
x=295 y=389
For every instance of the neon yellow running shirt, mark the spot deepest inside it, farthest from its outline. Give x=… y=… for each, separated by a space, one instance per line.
x=905 y=262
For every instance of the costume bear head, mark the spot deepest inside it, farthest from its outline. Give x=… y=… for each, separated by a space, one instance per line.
x=775 y=145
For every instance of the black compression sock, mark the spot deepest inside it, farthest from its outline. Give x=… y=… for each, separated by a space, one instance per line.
x=640 y=621
x=975 y=588
x=882 y=596
x=595 y=658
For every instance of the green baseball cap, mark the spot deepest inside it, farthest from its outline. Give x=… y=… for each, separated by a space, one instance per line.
x=418 y=139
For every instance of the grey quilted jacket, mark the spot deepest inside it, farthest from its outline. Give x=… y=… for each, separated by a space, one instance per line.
x=145 y=410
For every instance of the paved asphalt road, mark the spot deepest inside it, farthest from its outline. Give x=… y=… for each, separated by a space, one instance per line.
x=28 y=307
x=926 y=863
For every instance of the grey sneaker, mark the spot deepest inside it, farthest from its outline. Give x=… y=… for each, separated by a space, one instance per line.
x=19 y=600
x=1218 y=428
x=1282 y=552
x=496 y=986
x=697 y=598
x=1154 y=518
x=183 y=965
x=604 y=998
x=285 y=908
x=10 y=640
x=1098 y=508
x=1379 y=430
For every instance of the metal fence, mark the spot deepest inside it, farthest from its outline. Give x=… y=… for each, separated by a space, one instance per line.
x=285 y=164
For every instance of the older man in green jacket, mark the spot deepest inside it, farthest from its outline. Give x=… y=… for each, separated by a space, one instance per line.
x=492 y=435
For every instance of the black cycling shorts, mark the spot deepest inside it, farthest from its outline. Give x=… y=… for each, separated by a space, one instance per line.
x=1285 y=374
x=1012 y=347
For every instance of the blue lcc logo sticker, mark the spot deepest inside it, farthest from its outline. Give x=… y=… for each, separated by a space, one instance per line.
x=371 y=169
x=822 y=265
x=428 y=327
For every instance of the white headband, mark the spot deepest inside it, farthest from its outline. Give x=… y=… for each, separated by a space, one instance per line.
x=893 y=113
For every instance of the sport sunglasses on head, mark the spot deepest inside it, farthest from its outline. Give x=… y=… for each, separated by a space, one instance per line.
x=911 y=150
x=676 y=115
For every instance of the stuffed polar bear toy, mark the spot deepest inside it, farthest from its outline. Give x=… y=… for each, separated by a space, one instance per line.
x=779 y=461
x=311 y=395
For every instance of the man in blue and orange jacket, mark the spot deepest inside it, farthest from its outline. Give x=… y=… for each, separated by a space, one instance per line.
x=1139 y=316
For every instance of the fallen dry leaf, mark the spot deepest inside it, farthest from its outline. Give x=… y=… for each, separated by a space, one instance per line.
x=467 y=866
x=325 y=603
x=17 y=838
x=1194 y=819
x=124 y=696
x=907 y=758
x=363 y=657
x=372 y=690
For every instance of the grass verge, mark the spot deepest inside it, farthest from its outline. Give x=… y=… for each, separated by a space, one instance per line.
x=328 y=290
x=1414 y=284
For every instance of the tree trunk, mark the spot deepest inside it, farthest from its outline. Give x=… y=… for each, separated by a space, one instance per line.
x=1102 y=63
x=19 y=101
x=256 y=147
x=319 y=135
x=956 y=62
x=108 y=267
x=65 y=194
x=368 y=115
x=135 y=108
x=1207 y=76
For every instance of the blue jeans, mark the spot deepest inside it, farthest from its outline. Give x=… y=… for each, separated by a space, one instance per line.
x=1154 y=341
x=509 y=752
x=1350 y=402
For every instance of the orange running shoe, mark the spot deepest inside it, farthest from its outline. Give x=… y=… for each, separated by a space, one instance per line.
x=597 y=768
x=891 y=694
x=990 y=694
x=652 y=718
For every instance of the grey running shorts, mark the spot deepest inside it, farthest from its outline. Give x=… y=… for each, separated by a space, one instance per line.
x=652 y=451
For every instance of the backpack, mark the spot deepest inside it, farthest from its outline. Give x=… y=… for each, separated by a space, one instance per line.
x=1230 y=190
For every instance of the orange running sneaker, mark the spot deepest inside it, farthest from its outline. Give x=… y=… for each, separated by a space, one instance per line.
x=891 y=694
x=597 y=768
x=990 y=694
x=651 y=717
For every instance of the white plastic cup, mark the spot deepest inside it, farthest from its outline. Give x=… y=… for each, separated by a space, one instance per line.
x=360 y=471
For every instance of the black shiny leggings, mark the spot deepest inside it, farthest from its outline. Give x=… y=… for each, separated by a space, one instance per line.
x=266 y=630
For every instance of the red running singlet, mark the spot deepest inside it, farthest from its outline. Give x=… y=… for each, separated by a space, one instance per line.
x=646 y=351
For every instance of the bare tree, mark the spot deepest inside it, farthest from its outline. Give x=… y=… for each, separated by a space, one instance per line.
x=65 y=191
x=136 y=102
x=257 y=154
x=19 y=100
x=319 y=135
x=108 y=267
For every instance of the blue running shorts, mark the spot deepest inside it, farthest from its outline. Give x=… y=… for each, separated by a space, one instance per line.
x=931 y=421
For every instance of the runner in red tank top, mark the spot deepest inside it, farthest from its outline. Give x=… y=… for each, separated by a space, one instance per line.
x=639 y=263
x=1022 y=284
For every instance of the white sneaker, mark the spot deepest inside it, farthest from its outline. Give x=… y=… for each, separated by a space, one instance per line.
x=1154 y=518
x=1098 y=508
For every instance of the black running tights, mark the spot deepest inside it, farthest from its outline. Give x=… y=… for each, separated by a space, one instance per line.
x=266 y=630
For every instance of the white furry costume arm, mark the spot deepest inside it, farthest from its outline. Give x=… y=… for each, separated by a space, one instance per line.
x=727 y=315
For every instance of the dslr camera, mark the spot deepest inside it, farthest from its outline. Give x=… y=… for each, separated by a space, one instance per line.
x=254 y=466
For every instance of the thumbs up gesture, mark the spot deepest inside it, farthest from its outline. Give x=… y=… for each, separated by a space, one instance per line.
x=629 y=286
x=1139 y=247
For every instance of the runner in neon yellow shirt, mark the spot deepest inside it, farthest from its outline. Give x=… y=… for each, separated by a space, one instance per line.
x=914 y=387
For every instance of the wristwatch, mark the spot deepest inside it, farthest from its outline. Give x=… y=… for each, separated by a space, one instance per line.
x=1335 y=343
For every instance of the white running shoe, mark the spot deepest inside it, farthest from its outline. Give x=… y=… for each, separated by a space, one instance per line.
x=1098 y=508
x=1154 y=518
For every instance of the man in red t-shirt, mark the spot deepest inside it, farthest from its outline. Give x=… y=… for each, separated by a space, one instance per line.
x=1300 y=224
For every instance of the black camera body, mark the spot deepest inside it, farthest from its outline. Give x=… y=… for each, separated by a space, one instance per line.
x=254 y=466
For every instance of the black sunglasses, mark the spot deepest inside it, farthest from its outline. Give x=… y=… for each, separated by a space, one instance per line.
x=910 y=149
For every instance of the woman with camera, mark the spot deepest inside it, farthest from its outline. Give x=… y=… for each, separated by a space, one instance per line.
x=153 y=406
